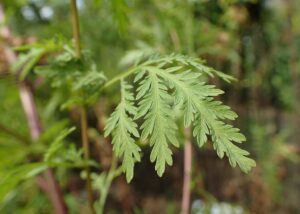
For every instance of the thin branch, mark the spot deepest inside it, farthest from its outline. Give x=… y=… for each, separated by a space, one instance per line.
x=112 y=173
x=186 y=189
x=83 y=116
x=86 y=150
x=76 y=29
x=187 y=168
x=30 y=111
x=53 y=189
x=121 y=76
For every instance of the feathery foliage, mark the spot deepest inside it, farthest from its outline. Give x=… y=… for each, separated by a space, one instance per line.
x=155 y=109
x=164 y=83
x=122 y=126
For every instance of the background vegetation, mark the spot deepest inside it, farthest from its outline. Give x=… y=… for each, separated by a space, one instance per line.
x=257 y=42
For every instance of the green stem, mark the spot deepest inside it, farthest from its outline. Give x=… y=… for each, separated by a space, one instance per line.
x=83 y=116
x=113 y=172
x=86 y=151
x=76 y=29
x=121 y=76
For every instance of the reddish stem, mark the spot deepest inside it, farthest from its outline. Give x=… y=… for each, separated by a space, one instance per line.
x=186 y=191
x=52 y=189
x=30 y=111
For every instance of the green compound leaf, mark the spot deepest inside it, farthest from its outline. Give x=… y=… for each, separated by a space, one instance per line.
x=164 y=83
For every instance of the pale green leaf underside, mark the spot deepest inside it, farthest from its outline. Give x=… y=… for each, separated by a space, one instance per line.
x=162 y=84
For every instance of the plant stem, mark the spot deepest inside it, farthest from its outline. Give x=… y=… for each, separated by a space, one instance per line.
x=83 y=116
x=113 y=172
x=187 y=168
x=86 y=150
x=121 y=76
x=76 y=29
x=52 y=189
x=29 y=107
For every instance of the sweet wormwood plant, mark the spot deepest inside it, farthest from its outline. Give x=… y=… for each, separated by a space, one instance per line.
x=153 y=92
x=166 y=83
x=162 y=86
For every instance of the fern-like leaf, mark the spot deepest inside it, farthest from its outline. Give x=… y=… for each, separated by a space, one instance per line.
x=198 y=103
x=158 y=123
x=123 y=128
x=163 y=84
